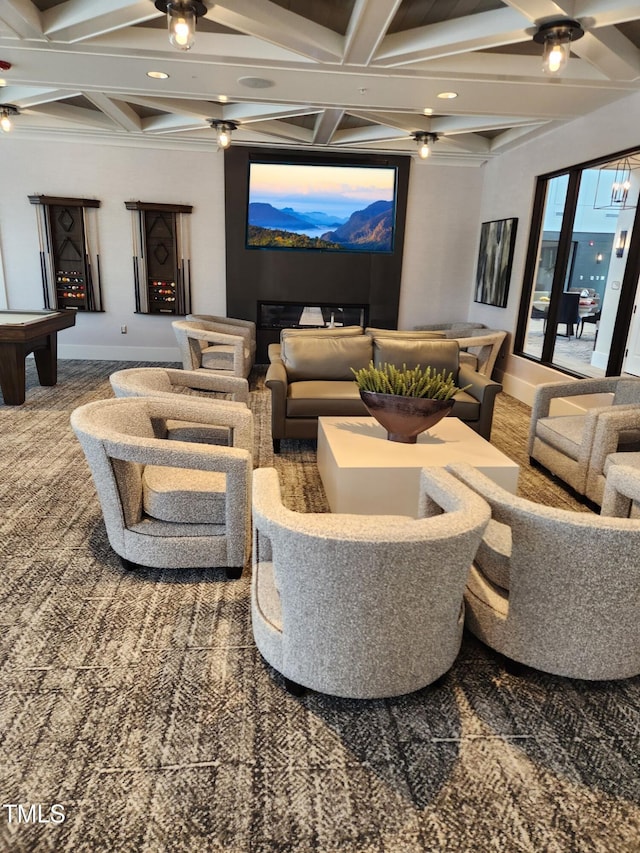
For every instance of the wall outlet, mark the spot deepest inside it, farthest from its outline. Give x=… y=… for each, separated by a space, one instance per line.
x=123 y=330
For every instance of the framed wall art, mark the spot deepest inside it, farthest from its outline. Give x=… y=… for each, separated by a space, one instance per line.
x=495 y=257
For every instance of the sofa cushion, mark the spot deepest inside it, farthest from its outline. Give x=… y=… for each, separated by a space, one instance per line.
x=313 y=399
x=562 y=432
x=437 y=354
x=324 y=357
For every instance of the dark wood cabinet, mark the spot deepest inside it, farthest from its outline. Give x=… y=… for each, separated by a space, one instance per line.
x=70 y=270
x=160 y=260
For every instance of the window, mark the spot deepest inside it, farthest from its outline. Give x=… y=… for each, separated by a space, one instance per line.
x=582 y=269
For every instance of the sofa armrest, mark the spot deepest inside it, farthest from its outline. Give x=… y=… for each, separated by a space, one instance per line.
x=277 y=382
x=485 y=391
x=274 y=351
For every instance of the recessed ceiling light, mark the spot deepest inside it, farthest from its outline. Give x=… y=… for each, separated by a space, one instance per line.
x=223 y=99
x=2 y=82
x=256 y=82
x=427 y=111
x=158 y=75
x=447 y=96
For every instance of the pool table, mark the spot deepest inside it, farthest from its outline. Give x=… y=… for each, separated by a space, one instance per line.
x=24 y=332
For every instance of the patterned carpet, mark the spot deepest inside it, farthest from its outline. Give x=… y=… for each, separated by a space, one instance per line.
x=138 y=702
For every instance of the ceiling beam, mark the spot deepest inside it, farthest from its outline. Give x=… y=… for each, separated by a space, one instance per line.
x=76 y=115
x=406 y=123
x=172 y=123
x=327 y=122
x=602 y=13
x=369 y=134
x=28 y=96
x=196 y=108
x=23 y=18
x=267 y=21
x=516 y=134
x=118 y=111
x=247 y=113
x=610 y=52
x=460 y=35
x=537 y=10
x=77 y=20
x=470 y=143
x=452 y=125
x=282 y=130
x=368 y=26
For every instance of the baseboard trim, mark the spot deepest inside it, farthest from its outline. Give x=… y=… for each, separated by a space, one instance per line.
x=89 y=353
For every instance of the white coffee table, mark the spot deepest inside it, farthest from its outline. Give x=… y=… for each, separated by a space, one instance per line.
x=362 y=472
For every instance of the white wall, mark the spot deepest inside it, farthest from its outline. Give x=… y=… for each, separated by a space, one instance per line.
x=446 y=205
x=441 y=243
x=112 y=174
x=441 y=239
x=509 y=185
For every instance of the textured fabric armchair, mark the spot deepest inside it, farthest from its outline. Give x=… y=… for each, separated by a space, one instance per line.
x=362 y=606
x=563 y=444
x=213 y=345
x=166 y=381
x=170 y=504
x=617 y=433
x=554 y=589
x=233 y=326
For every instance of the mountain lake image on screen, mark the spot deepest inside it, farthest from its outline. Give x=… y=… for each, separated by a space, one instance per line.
x=332 y=208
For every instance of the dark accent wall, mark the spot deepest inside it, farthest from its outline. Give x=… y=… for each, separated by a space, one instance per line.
x=306 y=276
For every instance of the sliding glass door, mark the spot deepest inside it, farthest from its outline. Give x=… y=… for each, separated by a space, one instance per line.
x=582 y=270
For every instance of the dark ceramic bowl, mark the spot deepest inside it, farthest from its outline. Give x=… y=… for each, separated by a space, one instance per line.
x=405 y=418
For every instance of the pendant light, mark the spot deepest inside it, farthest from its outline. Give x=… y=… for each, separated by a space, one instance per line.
x=556 y=38
x=181 y=20
x=6 y=111
x=223 y=131
x=424 y=142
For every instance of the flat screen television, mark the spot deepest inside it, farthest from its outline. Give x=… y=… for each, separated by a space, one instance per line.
x=318 y=207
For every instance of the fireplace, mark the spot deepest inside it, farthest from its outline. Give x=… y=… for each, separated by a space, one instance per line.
x=294 y=315
x=272 y=316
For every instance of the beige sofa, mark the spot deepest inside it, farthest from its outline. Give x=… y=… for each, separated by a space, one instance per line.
x=310 y=376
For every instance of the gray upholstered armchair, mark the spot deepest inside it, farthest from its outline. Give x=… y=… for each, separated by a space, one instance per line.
x=554 y=589
x=362 y=606
x=231 y=325
x=616 y=436
x=170 y=504
x=223 y=347
x=166 y=381
x=563 y=443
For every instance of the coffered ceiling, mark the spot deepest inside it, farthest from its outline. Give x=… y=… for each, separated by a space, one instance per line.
x=324 y=74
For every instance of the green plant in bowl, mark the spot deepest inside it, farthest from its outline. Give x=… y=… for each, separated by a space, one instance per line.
x=407 y=382
x=406 y=401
